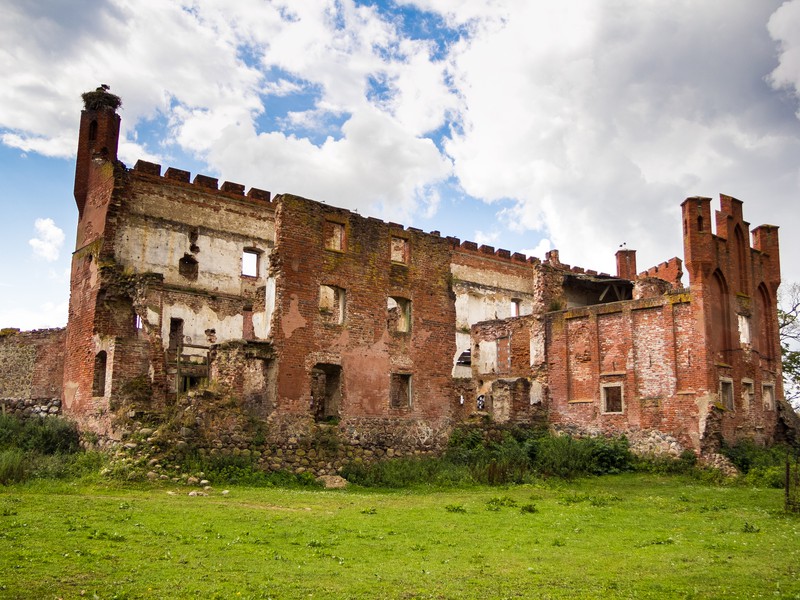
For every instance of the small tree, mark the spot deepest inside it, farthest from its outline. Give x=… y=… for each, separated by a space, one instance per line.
x=789 y=331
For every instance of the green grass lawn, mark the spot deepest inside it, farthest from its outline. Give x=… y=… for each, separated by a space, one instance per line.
x=626 y=536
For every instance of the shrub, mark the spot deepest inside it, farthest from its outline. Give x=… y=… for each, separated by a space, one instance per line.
x=12 y=466
x=45 y=435
x=747 y=455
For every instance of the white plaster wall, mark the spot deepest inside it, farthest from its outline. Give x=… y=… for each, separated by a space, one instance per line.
x=475 y=304
x=148 y=248
x=195 y=324
x=487 y=361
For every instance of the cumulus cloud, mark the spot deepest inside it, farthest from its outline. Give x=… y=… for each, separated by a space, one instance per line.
x=591 y=120
x=598 y=120
x=48 y=241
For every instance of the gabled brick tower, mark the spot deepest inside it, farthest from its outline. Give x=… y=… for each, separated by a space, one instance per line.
x=734 y=287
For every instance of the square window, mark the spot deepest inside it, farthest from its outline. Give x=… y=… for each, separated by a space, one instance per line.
x=399 y=314
x=400 y=391
x=334 y=236
x=250 y=262
x=726 y=394
x=400 y=250
x=331 y=304
x=768 y=396
x=612 y=397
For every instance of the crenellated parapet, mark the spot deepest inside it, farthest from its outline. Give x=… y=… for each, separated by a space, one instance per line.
x=670 y=271
x=206 y=183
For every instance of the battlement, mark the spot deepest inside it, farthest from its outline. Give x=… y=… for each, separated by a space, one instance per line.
x=228 y=188
x=670 y=271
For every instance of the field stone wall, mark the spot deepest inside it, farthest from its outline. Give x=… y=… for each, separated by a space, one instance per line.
x=31 y=367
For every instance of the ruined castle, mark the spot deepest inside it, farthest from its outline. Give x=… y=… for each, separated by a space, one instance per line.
x=304 y=316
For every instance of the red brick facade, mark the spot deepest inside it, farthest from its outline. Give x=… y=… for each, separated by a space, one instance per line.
x=313 y=316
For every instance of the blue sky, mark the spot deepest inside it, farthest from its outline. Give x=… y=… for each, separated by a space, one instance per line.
x=523 y=124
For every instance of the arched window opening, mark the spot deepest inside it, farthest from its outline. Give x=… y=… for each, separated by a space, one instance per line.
x=766 y=325
x=718 y=310
x=740 y=256
x=92 y=131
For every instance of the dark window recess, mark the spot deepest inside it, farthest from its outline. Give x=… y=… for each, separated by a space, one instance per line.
x=612 y=399
x=400 y=391
x=187 y=266
x=175 y=334
x=726 y=394
x=465 y=359
x=326 y=391
x=99 y=382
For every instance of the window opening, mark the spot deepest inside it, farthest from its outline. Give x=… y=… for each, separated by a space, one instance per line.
x=326 y=391
x=465 y=359
x=400 y=391
x=187 y=266
x=137 y=322
x=248 y=331
x=726 y=394
x=748 y=394
x=612 y=397
x=175 y=334
x=399 y=314
x=744 y=330
x=250 y=263
x=768 y=396
x=99 y=382
x=504 y=354
x=92 y=131
x=515 y=307
x=400 y=253
x=331 y=304
x=334 y=236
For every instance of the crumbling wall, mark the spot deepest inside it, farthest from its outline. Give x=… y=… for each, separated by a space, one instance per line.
x=391 y=360
x=31 y=370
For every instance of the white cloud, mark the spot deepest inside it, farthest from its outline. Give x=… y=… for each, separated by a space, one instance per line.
x=594 y=118
x=600 y=119
x=48 y=241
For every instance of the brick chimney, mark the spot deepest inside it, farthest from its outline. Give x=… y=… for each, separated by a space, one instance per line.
x=98 y=137
x=626 y=264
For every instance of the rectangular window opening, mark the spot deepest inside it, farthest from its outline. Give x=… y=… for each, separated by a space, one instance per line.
x=400 y=391
x=400 y=251
x=334 y=236
x=250 y=263
x=726 y=394
x=515 y=307
x=99 y=382
x=748 y=394
x=612 y=397
x=332 y=304
x=399 y=314
x=768 y=396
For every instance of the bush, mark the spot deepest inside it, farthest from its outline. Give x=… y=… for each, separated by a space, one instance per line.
x=45 y=435
x=12 y=466
x=747 y=455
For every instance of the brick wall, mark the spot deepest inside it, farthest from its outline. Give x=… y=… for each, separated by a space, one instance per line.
x=31 y=366
x=366 y=345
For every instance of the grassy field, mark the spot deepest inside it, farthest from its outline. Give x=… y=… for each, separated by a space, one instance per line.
x=625 y=536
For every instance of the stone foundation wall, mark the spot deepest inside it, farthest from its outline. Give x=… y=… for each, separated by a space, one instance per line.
x=28 y=407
